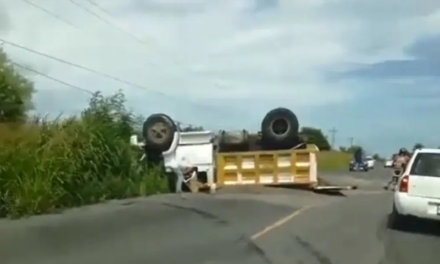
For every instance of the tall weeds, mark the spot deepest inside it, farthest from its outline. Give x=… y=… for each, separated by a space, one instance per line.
x=48 y=165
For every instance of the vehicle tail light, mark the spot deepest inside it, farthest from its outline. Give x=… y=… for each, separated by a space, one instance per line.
x=404 y=183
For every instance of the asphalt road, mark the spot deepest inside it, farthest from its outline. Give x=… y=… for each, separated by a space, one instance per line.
x=241 y=225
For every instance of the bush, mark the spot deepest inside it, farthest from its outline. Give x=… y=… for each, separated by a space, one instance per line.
x=333 y=160
x=48 y=165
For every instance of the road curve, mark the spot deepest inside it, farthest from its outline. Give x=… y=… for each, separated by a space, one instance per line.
x=234 y=226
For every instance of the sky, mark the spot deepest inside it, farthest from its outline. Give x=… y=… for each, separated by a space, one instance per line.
x=369 y=68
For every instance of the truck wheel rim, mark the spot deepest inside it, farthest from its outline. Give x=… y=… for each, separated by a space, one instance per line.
x=159 y=132
x=280 y=126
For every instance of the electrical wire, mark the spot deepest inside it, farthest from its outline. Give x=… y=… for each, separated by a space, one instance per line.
x=113 y=78
x=51 y=78
x=70 y=85
x=79 y=66
x=48 y=12
x=106 y=21
x=109 y=23
x=93 y=3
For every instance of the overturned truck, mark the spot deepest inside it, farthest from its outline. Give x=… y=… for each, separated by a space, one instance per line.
x=279 y=131
x=276 y=155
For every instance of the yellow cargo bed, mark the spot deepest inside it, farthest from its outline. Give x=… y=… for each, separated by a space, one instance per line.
x=280 y=167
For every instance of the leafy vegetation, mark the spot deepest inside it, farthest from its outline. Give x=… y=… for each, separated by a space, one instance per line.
x=191 y=128
x=316 y=136
x=418 y=146
x=333 y=160
x=328 y=159
x=378 y=157
x=50 y=165
x=351 y=149
x=15 y=93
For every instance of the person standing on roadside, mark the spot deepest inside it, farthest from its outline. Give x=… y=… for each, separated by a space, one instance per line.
x=399 y=165
x=358 y=157
x=401 y=160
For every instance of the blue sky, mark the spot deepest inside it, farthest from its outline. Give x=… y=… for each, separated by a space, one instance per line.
x=369 y=68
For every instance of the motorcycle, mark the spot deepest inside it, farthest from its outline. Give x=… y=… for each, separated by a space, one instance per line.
x=358 y=166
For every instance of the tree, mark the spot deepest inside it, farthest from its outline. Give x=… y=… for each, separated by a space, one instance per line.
x=315 y=136
x=191 y=128
x=418 y=146
x=15 y=92
x=351 y=149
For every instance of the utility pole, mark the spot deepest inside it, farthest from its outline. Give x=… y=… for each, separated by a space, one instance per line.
x=351 y=139
x=333 y=132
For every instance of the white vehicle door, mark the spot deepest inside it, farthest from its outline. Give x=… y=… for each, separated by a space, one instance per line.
x=424 y=176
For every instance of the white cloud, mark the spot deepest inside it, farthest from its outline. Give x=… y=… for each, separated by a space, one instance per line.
x=209 y=51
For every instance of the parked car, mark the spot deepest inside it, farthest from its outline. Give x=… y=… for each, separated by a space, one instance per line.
x=417 y=193
x=370 y=162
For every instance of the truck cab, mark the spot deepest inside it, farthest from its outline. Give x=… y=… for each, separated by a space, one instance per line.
x=199 y=145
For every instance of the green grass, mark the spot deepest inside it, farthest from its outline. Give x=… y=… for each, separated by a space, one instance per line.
x=51 y=165
x=333 y=160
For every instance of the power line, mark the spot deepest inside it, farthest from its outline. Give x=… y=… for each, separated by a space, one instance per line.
x=48 y=12
x=107 y=22
x=113 y=78
x=83 y=67
x=100 y=8
x=70 y=85
x=79 y=66
x=51 y=78
x=102 y=19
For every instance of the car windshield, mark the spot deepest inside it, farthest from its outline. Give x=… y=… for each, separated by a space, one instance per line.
x=426 y=164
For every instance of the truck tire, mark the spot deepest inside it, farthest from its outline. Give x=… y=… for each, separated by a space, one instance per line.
x=280 y=127
x=233 y=141
x=158 y=131
x=234 y=137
